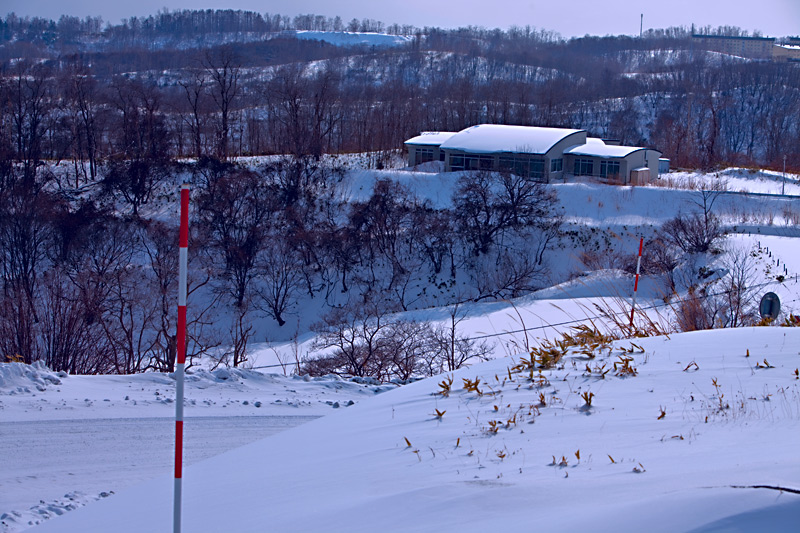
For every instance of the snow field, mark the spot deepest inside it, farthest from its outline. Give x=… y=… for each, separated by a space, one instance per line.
x=502 y=458
x=117 y=431
x=699 y=418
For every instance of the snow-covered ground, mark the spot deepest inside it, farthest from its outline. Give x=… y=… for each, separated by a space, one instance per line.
x=700 y=437
x=738 y=180
x=353 y=38
x=116 y=431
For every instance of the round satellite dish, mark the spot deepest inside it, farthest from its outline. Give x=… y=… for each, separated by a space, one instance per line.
x=770 y=306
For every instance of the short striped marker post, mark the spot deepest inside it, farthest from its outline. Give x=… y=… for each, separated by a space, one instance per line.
x=636 y=283
x=181 y=355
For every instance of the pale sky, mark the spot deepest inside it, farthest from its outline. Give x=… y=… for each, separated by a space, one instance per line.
x=774 y=18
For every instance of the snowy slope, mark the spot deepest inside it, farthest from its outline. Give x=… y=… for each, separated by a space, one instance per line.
x=353 y=471
x=349 y=38
x=116 y=431
x=729 y=423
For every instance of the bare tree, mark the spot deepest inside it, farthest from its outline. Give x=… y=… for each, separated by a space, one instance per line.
x=140 y=132
x=453 y=349
x=135 y=180
x=739 y=305
x=128 y=320
x=25 y=236
x=114 y=292
x=281 y=279
x=489 y=204
x=692 y=233
x=224 y=70
x=385 y=224
x=508 y=273
x=357 y=336
x=305 y=109
x=82 y=101
x=160 y=242
x=235 y=210
x=435 y=238
x=195 y=86
x=71 y=340
x=30 y=96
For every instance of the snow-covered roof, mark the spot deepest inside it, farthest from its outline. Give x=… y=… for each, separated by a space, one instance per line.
x=496 y=138
x=597 y=148
x=431 y=137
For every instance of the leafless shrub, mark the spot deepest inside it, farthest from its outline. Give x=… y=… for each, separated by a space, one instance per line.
x=607 y=259
x=72 y=340
x=508 y=275
x=727 y=303
x=692 y=313
x=367 y=341
x=790 y=216
x=661 y=259
x=17 y=327
x=738 y=298
x=693 y=233
x=451 y=349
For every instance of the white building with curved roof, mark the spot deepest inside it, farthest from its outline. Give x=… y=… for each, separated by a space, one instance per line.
x=542 y=154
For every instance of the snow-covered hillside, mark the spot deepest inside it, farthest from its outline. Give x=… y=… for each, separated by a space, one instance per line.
x=691 y=432
x=349 y=38
x=76 y=439
x=615 y=437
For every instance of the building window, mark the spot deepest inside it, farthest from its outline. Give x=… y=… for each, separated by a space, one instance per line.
x=537 y=169
x=609 y=169
x=456 y=162
x=478 y=162
x=523 y=166
x=584 y=167
x=424 y=155
x=556 y=165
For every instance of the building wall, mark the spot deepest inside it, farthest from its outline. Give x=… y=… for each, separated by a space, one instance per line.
x=752 y=47
x=634 y=160
x=653 y=158
x=783 y=53
x=418 y=154
x=532 y=166
x=614 y=169
x=557 y=152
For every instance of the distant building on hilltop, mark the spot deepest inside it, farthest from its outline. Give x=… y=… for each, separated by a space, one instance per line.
x=541 y=154
x=787 y=52
x=749 y=47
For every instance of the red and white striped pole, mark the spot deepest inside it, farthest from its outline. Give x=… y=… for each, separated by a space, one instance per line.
x=181 y=354
x=636 y=283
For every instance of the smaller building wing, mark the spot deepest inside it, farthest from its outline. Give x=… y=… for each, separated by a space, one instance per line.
x=597 y=148
x=433 y=138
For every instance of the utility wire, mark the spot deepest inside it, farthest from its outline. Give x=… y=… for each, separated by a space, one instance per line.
x=619 y=313
x=580 y=320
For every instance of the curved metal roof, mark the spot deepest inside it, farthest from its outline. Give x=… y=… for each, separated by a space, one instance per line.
x=496 y=138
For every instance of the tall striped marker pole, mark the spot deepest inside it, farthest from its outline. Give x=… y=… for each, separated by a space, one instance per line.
x=636 y=283
x=181 y=354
